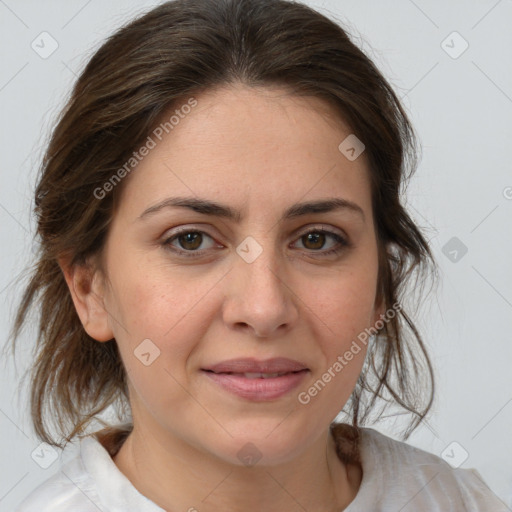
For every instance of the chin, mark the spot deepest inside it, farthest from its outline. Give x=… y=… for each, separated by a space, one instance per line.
x=259 y=443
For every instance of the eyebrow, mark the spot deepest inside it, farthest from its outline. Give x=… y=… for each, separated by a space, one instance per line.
x=207 y=207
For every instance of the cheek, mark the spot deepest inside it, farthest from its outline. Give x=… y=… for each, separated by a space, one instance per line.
x=155 y=300
x=171 y=310
x=341 y=312
x=173 y=316
x=344 y=303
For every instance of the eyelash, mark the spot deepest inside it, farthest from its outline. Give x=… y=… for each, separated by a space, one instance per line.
x=342 y=242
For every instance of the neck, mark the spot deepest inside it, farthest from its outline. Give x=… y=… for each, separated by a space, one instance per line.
x=176 y=476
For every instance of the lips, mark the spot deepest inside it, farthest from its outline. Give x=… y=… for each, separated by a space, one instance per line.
x=256 y=380
x=253 y=367
x=257 y=375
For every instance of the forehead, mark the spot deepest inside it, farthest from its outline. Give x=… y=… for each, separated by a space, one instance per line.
x=256 y=145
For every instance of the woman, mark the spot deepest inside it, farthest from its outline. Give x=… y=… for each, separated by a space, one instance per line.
x=223 y=251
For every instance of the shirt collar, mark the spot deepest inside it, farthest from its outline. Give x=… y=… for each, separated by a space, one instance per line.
x=114 y=489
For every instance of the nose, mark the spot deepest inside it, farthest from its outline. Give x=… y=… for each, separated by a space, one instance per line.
x=260 y=299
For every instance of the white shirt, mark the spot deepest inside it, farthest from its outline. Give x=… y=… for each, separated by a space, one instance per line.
x=396 y=477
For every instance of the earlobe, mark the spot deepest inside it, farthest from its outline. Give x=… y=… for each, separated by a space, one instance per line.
x=87 y=291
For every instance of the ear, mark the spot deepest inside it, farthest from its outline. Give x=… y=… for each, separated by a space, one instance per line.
x=86 y=285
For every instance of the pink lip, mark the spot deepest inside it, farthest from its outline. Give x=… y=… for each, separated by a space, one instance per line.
x=251 y=365
x=229 y=375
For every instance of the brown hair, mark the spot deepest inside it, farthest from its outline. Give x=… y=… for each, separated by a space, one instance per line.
x=177 y=50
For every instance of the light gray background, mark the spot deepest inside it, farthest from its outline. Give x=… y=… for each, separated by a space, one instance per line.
x=462 y=110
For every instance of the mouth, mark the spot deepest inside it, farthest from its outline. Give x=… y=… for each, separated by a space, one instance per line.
x=257 y=380
x=256 y=375
x=249 y=366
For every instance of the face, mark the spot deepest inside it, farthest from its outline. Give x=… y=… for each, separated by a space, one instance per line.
x=203 y=289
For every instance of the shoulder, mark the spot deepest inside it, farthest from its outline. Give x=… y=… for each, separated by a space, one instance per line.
x=400 y=476
x=70 y=488
x=420 y=480
x=89 y=482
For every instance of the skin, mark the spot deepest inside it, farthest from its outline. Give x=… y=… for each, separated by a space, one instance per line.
x=258 y=150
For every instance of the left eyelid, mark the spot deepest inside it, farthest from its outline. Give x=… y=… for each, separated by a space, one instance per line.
x=330 y=230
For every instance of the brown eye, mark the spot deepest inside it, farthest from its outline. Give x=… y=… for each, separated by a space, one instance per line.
x=314 y=240
x=190 y=241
